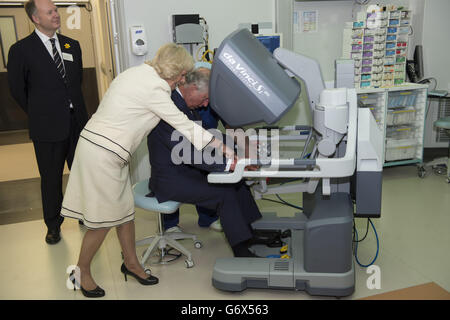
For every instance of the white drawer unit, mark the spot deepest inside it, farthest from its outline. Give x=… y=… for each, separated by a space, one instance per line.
x=400 y=112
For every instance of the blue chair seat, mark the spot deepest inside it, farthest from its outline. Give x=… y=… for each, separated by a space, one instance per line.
x=443 y=123
x=140 y=190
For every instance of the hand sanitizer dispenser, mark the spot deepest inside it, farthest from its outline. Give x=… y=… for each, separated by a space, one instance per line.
x=138 y=40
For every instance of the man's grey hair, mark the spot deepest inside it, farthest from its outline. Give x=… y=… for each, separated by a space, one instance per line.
x=199 y=77
x=30 y=9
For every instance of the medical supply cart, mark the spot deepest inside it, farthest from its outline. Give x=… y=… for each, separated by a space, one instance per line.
x=400 y=113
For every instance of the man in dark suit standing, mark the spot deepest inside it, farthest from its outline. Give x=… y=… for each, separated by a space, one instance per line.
x=44 y=75
x=176 y=176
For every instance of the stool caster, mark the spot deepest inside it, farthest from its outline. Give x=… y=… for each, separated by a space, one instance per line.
x=421 y=172
x=189 y=263
x=198 y=244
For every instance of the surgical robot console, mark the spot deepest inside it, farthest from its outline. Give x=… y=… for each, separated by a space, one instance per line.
x=342 y=175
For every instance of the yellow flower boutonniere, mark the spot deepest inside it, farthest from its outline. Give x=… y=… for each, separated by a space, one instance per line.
x=67 y=46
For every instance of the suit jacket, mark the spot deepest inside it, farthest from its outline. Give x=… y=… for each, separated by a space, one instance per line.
x=39 y=89
x=164 y=171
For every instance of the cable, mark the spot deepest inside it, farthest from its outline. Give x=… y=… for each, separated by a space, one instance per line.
x=356 y=246
x=205 y=56
x=285 y=203
x=354 y=230
x=288 y=204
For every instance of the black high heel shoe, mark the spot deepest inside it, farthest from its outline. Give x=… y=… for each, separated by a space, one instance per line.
x=150 y=280
x=96 y=293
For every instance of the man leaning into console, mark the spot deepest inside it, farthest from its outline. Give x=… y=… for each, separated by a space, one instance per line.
x=176 y=176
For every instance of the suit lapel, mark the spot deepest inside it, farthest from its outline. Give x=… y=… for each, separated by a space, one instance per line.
x=44 y=56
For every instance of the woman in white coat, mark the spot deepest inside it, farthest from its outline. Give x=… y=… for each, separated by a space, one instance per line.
x=99 y=190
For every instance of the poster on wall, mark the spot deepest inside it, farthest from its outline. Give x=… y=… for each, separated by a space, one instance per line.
x=306 y=21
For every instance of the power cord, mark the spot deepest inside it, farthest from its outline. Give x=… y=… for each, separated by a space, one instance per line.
x=283 y=202
x=356 y=244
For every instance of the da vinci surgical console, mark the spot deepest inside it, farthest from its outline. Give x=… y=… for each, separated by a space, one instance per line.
x=342 y=176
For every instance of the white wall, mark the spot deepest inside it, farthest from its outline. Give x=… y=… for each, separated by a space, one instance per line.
x=436 y=48
x=223 y=17
x=436 y=41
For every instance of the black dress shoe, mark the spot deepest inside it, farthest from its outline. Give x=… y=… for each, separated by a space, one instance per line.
x=96 y=293
x=150 y=280
x=52 y=236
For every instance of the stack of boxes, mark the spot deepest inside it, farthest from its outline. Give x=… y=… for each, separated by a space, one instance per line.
x=378 y=42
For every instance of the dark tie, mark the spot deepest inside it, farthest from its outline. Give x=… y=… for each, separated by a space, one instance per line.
x=58 y=60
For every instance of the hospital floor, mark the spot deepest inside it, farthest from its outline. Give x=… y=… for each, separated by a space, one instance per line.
x=413 y=232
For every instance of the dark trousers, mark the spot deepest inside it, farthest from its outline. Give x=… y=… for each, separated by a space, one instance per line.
x=205 y=218
x=233 y=203
x=51 y=157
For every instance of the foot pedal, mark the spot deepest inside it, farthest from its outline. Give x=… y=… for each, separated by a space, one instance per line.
x=270 y=238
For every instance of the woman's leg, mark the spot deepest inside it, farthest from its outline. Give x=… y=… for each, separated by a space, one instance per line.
x=126 y=235
x=91 y=243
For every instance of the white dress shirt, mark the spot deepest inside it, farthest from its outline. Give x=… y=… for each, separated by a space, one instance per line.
x=46 y=41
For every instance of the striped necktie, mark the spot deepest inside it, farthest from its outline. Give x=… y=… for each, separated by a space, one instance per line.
x=58 y=61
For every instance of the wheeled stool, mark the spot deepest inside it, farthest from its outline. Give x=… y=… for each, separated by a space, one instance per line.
x=162 y=240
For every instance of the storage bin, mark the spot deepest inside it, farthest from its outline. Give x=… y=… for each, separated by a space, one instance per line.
x=400 y=116
x=378 y=39
x=400 y=149
x=394 y=22
x=356 y=47
x=389 y=61
x=356 y=55
x=402 y=99
x=391 y=30
x=391 y=37
x=395 y=14
x=390 y=53
x=369 y=32
x=390 y=45
x=357 y=33
x=400 y=132
x=400 y=59
x=378 y=54
x=377 y=62
x=377 y=76
x=380 y=31
x=403 y=30
x=376 y=84
x=365 y=84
